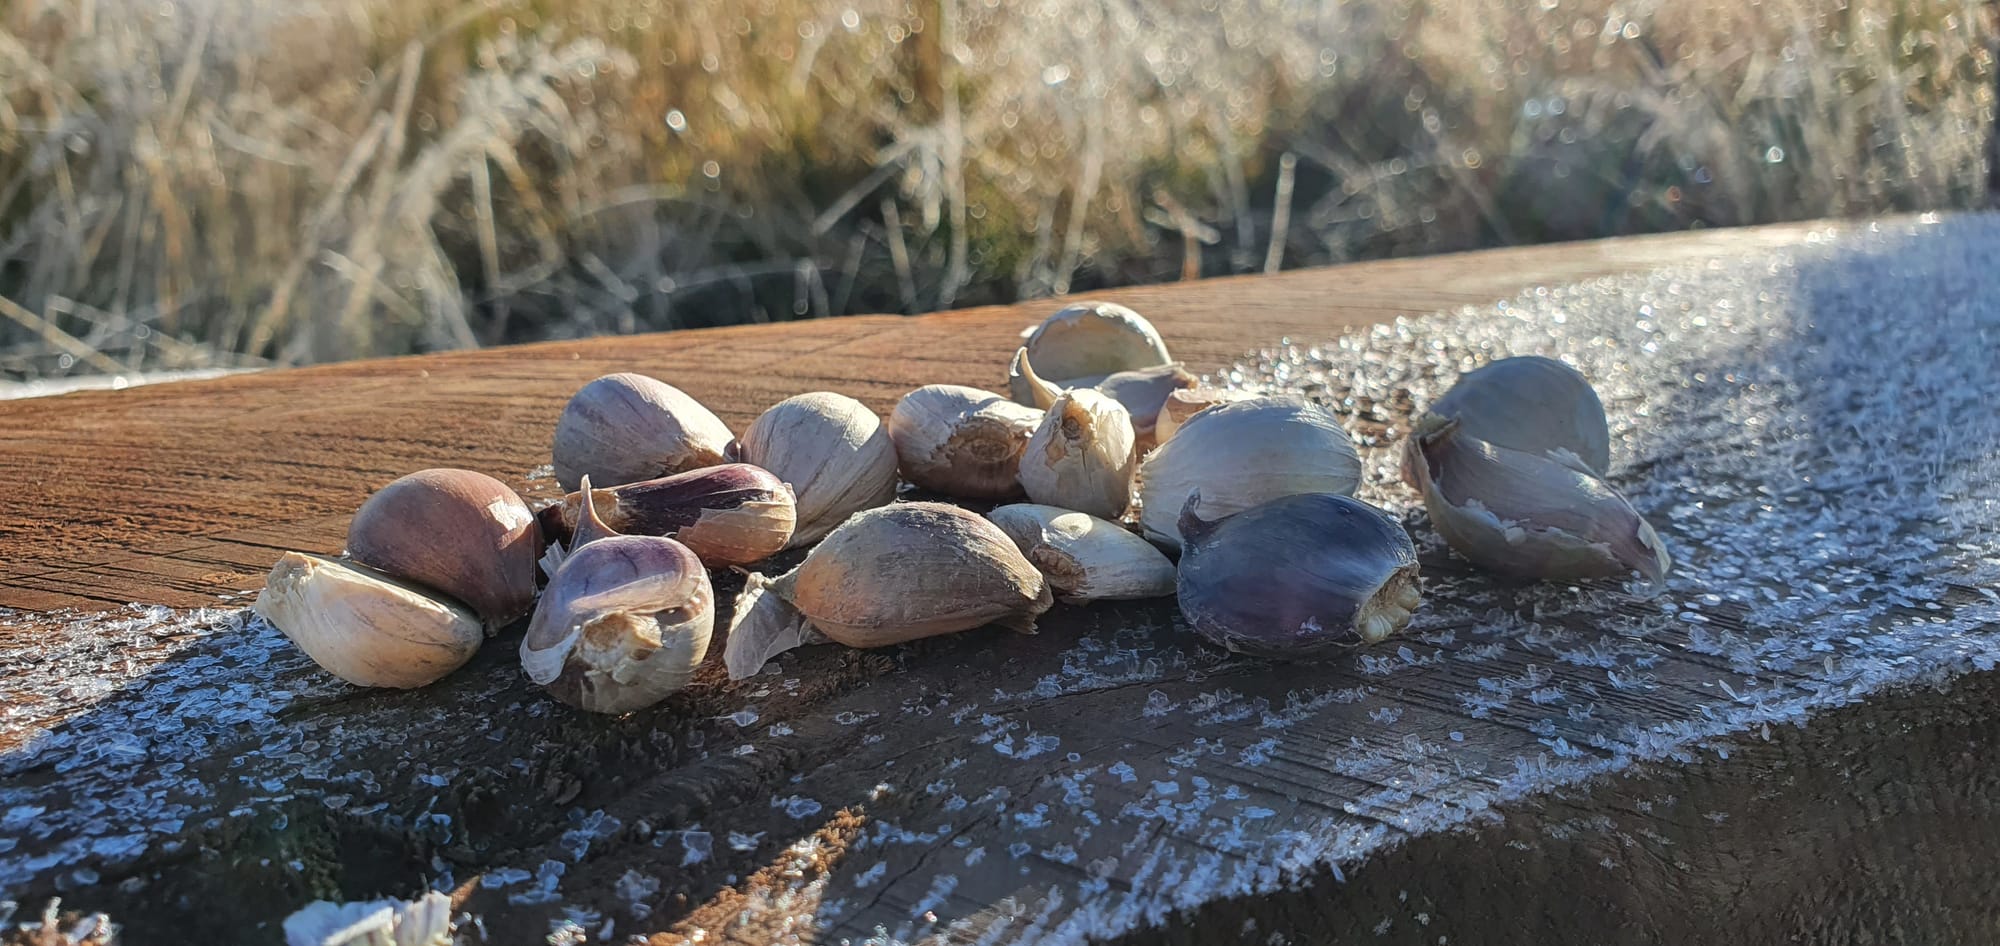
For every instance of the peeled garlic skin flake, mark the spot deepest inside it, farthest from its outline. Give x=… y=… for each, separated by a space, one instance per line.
x=1302 y=576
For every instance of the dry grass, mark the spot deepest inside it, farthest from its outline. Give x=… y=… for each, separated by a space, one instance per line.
x=255 y=181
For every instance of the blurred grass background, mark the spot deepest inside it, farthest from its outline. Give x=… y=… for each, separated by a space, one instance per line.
x=216 y=183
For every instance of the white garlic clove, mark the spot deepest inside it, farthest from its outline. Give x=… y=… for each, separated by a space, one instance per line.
x=1532 y=404
x=961 y=441
x=1240 y=455
x=622 y=625
x=456 y=532
x=1301 y=576
x=1529 y=516
x=886 y=576
x=833 y=451
x=1187 y=402
x=364 y=626
x=1085 y=558
x=1090 y=340
x=623 y=428
x=1081 y=455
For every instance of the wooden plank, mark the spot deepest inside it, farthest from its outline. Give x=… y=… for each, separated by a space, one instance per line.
x=1106 y=777
x=106 y=474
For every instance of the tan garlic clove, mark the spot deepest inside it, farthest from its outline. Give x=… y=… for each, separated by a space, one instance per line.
x=622 y=625
x=1081 y=455
x=832 y=450
x=1530 y=516
x=1532 y=404
x=1090 y=340
x=623 y=428
x=1240 y=455
x=733 y=514
x=961 y=441
x=1085 y=558
x=456 y=532
x=886 y=576
x=364 y=626
x=1185 y=403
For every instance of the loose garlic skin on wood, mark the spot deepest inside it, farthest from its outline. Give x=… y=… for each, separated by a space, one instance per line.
x=1082 y=343
x=455 y=532
x=623 y=428
x=1085 y=558
x=1240 y=455
x=961 y=441
x=886 y=576
x=1531 y=404
x=364 y=626
x=1301 y=576
x=834 y=453
x=1528 y=516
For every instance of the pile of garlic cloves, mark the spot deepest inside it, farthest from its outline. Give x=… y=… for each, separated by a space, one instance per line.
x=1106 y=472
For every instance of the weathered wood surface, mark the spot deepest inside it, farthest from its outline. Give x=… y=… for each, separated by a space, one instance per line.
x=1092 y=781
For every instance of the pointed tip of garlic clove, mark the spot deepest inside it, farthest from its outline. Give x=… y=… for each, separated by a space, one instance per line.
x=590 y=526
x=1021 y=376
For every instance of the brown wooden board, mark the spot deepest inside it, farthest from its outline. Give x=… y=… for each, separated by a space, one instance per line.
x=189 y=772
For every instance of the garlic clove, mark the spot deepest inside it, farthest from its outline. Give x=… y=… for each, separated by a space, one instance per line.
x=1090 y=339
x=1532 y=404
x=456 y=532
x=1303 y=575
x=622 y=625
x=834 y=453
x=886 y=576
x=1081 y=455
x=364 y=626
x=1085 y=558
x=623 y=428
x=961 y=441
x=1021 y=375
x=1143 y=392
x=1240 y=455
x=1529 y=516
x=1186 y=402
x=733 y=514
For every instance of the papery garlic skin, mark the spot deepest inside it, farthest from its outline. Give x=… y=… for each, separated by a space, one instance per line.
x=1185 y=403
x=732 y=514
x=961 y=441
x=622 y=625
x=834 y=453
x=1529 y=516
x=1531 y=404
x=1142 y=391
x=455 y=532
x=623 y=428
x=1081 y=456
x=366 y=627
x=1304 y=575
x=1085 y=558
x=1240 y=455
x=886 y=576
x=1090 y=340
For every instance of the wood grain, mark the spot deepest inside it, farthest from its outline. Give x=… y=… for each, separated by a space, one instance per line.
x=174 y=493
